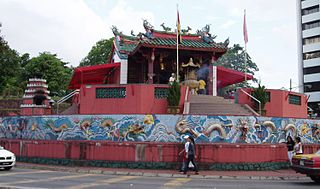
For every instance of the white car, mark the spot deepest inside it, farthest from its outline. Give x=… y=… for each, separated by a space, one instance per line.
x=7 y=159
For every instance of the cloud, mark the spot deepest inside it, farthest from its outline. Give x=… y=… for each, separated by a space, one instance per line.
x=126 y=18
x=287 y=33
x=68 y=28
x=228 y=24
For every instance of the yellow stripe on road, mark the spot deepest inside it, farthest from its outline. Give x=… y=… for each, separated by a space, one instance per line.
x=177 y=182
x=104 y=182
x=22 y=173
x=48 y=179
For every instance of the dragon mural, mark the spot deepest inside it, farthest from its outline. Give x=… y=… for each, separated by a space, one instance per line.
x=160 y=128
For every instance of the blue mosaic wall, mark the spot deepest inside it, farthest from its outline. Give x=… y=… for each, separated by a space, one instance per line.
x=160 y=128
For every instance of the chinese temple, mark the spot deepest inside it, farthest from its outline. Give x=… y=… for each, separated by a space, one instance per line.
x=119 y=113
x=151 y=58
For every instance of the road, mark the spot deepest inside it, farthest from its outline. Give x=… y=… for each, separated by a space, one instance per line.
x=21 y=178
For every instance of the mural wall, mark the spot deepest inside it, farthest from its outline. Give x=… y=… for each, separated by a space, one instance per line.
x=160 y=128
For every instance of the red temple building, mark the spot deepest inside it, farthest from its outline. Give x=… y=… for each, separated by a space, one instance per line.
x=134 y=79
x=138 y=71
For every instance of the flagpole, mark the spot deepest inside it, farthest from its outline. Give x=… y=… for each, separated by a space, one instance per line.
x=177 y=76
x=245 y=45
x=245 y=62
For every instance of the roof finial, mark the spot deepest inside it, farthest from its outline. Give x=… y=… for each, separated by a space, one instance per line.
x=166 y=29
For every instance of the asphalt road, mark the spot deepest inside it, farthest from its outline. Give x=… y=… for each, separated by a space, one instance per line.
x=20 y=178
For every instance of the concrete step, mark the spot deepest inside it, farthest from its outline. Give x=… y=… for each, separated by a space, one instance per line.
x=215 y=105
x=219 y=111
x=209 y=99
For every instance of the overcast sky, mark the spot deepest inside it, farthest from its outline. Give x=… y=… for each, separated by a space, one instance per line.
x=70 y=28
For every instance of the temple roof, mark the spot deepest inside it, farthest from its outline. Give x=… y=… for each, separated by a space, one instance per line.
x=202 y=40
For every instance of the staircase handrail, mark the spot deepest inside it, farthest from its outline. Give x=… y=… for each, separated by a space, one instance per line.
x=63 y=99
x=253 y=99
x=186 y=107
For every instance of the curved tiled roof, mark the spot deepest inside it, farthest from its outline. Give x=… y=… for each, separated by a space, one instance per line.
x=185 y=43
x=129 y=44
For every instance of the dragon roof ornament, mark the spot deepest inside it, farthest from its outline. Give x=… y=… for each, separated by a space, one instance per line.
x=204 y=33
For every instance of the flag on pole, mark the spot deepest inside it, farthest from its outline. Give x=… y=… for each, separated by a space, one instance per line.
x=245 y=32
x=178 y=29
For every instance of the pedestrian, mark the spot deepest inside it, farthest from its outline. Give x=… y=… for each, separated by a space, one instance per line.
x=172 y=78
x=182 y=155
x=290 y=145
x=202 y=87
x=189 y=148
x=298 y=146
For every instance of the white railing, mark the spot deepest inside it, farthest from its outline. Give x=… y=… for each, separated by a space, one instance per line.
x=33 y=91
x=37 y=85
x=63 y=99
x=252 y=98
x=36 y=79
x=186 y=107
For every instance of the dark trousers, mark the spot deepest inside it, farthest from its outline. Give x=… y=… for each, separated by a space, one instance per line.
x=190 y=159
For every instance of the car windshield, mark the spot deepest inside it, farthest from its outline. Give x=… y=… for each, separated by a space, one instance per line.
x=1 y=148
x=318 y=152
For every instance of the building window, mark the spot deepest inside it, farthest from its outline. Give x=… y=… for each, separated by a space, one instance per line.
x=294 y=99
x=312 y=87
x=311 y=70
x=115 y=92
x=160 y=92
x=310 y=25
x=311 y=40
x=311 y=55
x=310 y=10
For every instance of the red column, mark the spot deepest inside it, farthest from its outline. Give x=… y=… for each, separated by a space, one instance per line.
x=150 y=67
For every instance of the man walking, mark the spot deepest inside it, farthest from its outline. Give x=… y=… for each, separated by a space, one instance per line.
x=190 y=154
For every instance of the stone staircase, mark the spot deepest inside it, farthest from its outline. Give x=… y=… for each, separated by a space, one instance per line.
x=216 y=105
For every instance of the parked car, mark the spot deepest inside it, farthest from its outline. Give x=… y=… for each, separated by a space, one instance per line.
x=7 y=159
x=308 y=164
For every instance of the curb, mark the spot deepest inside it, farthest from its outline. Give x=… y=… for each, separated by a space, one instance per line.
x=150 y=174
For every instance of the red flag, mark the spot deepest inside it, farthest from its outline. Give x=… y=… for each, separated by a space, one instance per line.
x=178 y=29
x=245 y=32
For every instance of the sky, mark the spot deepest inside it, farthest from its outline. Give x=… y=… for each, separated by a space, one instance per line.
x=69 y=28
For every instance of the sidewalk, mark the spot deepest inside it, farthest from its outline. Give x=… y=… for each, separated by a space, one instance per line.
x=285 y=174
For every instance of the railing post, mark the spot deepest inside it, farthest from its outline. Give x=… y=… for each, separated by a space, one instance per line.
x=259 y=107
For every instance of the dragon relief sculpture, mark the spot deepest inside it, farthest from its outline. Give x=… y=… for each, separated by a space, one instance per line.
x=316 y=131
x=289 y=127
x=216 y=126
x=269 y=125
x=243 y=129
x=183 y=127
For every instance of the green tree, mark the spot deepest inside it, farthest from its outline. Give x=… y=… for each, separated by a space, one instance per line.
x=260 y=93
x=51 y=68
x=10 y=69
x=174 y=95
x=99 y=53
x=234 y=59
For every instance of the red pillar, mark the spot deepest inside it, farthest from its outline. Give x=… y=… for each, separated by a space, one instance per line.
x=150 y=67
